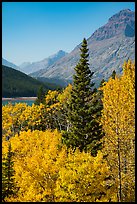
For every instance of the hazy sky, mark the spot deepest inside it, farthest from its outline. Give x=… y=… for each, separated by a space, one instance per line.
x=32 y=31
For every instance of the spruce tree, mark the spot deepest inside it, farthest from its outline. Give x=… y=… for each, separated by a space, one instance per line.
x=8 y=187
x=100 y=93
x=40 y=96
x=84 y=108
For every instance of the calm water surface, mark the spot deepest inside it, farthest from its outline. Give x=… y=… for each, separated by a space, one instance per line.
x=4 y=102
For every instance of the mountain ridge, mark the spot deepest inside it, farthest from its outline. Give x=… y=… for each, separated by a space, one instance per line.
x=17 y=84
x=109 y=46
x=9 y=64
x=28 y=67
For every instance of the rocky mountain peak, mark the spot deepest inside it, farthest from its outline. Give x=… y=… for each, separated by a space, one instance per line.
x=109 y=46
x=123 y=15
x=59 y=54
x=121 y=23
x=28 y=67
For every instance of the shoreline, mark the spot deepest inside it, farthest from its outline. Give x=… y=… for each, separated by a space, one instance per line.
x=19 y=98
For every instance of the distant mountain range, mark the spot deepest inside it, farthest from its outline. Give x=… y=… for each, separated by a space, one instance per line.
x=9 y=64
x=28 y=67
x=108 y=46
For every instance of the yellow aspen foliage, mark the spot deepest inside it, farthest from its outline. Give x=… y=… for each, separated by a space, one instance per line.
x=37 y=116
x=37 y=158
x=46 y=171
x=6 y=120
x=56 y=106
x=20 y=117
x=52 y=107
x=84 y=178
x=56 y=100
x=64 y=97
x=10 y=118
x=118 y=120
x=51 y=97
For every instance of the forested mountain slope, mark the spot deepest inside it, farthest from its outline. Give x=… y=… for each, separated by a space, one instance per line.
x=17 y=84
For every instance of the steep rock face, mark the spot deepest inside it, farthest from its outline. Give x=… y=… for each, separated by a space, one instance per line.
x=28 y=67
x=108 y=46
x=120 y=23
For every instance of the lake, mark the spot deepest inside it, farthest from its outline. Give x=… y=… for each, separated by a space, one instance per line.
x=29 y=101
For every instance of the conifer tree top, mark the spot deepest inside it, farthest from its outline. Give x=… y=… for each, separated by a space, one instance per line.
x=82 y=109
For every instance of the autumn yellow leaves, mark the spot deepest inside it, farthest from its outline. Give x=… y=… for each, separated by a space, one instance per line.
x=118 y=119
x=47 y=171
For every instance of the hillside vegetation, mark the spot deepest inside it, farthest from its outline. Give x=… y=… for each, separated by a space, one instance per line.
x=77 y=145
x=18 y=84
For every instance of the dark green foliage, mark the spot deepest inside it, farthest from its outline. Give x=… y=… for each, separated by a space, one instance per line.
x=101 y=83
x=40 y=96
x=84 y=108
x=113 y=74
x=54 y=83
x=18 y=84
x=100 y=93
x=8 y=186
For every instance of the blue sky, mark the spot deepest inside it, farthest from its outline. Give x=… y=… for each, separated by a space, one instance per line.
x=32 y=31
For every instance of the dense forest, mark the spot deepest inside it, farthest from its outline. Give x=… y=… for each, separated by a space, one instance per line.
x=75 y=144
x=18 y=84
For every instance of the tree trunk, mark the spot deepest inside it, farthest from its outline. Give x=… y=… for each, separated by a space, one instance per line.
x=119 y=173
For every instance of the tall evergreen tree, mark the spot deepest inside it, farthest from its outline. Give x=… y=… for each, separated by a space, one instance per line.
x=8 y=186
x=40 y=96
x=84 y=108
x=100 y=93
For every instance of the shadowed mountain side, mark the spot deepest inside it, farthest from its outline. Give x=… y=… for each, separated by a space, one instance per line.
x=108 y=46
x=18 y=84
